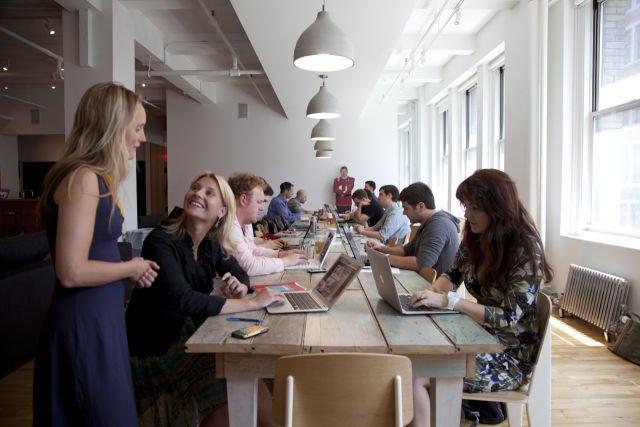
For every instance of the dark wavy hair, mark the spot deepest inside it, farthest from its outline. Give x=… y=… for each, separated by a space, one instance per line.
x=511 y=226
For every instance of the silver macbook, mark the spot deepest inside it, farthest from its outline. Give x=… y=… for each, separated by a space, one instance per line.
x=318 y=262
x=325 y=294
x=381 y=270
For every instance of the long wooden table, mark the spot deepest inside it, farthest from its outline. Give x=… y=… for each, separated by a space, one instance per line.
x=442 y=347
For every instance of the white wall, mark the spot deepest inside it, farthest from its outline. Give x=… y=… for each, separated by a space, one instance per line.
x=51 y=116
x=211 y=137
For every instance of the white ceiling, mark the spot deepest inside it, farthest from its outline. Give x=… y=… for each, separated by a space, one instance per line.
x=398 y=44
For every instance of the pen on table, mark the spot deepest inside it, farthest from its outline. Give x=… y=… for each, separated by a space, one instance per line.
x=244 y=319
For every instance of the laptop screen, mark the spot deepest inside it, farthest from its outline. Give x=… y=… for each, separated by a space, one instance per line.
x=325 y=249
x=341 y=273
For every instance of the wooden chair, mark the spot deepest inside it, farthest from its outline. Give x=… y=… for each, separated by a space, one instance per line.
x=343 y=389
x=414 y=230
x=534 y=395
x=429 y=274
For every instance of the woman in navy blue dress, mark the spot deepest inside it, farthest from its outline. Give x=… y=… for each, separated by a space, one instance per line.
x=82 y=371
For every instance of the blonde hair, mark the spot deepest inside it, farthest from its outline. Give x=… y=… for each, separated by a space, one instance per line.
x=221 y=230
x=96 y=142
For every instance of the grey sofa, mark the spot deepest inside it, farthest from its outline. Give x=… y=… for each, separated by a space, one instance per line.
x=27 y=280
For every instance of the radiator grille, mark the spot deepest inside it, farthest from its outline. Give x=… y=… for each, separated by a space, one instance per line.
x=594 y=296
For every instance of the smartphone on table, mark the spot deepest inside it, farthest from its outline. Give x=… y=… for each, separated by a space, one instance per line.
x=249 y=331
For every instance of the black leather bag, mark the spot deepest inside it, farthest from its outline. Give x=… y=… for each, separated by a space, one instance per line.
x=480 y=411
x=627 y=344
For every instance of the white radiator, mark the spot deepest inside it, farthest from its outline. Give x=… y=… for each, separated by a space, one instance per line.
x=594 y=296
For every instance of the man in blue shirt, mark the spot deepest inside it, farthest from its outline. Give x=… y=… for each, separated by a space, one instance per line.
x=278 y=206
x=393 y=223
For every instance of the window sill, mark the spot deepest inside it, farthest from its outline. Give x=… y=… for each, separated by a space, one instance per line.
x=605 y=239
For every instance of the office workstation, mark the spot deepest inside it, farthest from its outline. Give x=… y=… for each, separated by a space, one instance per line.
x=438 y=89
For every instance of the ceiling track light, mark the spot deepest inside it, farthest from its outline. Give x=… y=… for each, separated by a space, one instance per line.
x=323 y=146
x=323 y=47
x=323 y=154
x=50 y=28
x=323 y=131
x=5 y=67
x=323 y=105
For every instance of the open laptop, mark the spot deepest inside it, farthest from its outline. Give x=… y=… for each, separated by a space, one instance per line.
x=352 y=246
x=318 y=262
x=325 y=294
x=386 y=286
x=338 y=217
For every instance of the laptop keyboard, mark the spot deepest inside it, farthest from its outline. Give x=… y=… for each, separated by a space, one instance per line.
x=301 y=301
x=305 y=266
x=404 y=302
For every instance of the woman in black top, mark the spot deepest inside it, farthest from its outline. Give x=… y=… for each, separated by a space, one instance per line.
x=174 y=388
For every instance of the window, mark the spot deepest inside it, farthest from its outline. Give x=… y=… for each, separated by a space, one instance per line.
x=445 y=152
x=499 y=120
x=614 y=194
x=471 y=131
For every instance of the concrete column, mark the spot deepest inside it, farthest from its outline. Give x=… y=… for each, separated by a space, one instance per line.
x=99 y=47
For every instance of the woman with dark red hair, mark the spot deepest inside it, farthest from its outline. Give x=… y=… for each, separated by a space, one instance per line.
x=502 y=263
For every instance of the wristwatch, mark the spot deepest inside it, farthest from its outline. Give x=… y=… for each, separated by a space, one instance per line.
x=453 y=299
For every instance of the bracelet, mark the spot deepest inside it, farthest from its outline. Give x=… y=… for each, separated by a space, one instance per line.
x=452 y=300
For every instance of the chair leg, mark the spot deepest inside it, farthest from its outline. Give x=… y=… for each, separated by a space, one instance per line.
x=289 y=404
x=514 y=414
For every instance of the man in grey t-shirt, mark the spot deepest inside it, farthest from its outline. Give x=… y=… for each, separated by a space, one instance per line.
x=436 y=241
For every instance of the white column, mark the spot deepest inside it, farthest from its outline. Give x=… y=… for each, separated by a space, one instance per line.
x=525 y=103
x=99 y=47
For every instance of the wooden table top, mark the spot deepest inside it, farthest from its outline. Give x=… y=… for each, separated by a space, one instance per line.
x=360 y=321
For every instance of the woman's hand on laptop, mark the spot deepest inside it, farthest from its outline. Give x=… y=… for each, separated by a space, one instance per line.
x=294 y=257
x=428 y=298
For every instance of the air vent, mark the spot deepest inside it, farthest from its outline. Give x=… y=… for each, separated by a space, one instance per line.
x=243 y=111
x=35 y=116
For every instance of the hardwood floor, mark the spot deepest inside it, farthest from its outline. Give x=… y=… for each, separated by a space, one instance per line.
x=590 y=386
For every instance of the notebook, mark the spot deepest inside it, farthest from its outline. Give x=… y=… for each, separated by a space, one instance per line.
x=352 y=246
x=386 y=286
x=325 y=294
x=317 y=262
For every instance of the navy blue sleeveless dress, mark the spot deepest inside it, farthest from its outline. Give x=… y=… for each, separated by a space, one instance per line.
x=82 y=371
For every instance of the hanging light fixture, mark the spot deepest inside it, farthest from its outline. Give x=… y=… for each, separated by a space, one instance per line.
x=5 y=67
x=323 y=146
x=323 y=154
x=323 y=131
x=323 y=105
x=323 y=47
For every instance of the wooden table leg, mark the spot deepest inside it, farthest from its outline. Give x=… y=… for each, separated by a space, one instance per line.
x=242 y=372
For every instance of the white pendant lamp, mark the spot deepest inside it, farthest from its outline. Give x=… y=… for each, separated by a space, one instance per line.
x=323 y=146
x=323 y=154
x=323 y=47
x=323 y=131
x=323 y=105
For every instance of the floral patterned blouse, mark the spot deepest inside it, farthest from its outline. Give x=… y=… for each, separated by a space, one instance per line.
x=510 y=306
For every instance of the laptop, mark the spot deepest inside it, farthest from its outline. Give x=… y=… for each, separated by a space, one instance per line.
x=352 y=246
x=338 y=217
x=325 y=294
x=316 y=263
x=386 y=286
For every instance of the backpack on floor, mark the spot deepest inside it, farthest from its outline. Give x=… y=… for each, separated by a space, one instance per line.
x=480 y=411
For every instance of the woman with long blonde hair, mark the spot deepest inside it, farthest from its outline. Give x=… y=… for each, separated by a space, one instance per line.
x=82 y=373
x=174 y=388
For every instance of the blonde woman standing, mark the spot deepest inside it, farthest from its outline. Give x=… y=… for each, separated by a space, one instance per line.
x=82 y=372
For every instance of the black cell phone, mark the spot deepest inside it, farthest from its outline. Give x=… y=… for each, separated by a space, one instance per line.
x=249 y=331
x=317 y=270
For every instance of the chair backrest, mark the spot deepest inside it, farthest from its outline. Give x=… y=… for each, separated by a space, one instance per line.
x=429 y=274
x=343 y=389
x=149 y=221
x=413 y=231
x=543 y=314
